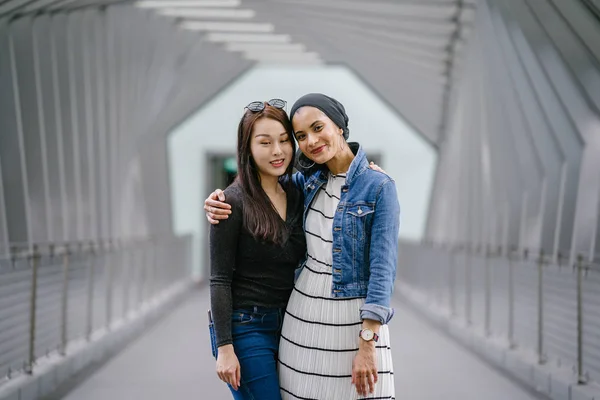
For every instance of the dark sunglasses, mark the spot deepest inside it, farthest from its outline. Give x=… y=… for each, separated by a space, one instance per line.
x=257 y=106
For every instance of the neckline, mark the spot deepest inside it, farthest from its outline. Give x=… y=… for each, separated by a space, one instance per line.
x=287 y=207
x=336 y=176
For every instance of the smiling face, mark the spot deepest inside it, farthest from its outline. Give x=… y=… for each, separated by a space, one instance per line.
x=271 y=147
x=319 y=138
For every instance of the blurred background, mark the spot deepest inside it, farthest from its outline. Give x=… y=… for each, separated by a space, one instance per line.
x=117 y=119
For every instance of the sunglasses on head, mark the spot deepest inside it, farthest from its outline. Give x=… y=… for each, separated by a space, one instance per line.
x=257 y=106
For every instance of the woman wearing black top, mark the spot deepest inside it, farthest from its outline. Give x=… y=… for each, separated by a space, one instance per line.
x=255 y=252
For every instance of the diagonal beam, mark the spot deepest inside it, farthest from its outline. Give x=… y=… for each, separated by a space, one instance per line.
x=41 y=4
x=14 y=6
x=55 y=7
x=593 y=6
x=450 y=63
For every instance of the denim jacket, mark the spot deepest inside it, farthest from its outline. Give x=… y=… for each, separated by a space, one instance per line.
x=365 y=235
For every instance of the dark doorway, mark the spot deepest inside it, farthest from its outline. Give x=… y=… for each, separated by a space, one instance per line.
x=220 y=170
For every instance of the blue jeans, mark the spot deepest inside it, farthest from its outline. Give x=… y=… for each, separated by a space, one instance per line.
x=256 y=335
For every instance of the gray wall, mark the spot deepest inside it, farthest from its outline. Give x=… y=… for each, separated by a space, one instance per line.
x=519 y=162
x=86 y=102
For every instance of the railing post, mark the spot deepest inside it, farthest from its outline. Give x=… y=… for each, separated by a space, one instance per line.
x=452 y=282
x=35 y=260
x=154 y=268
x=125 y=264
x=540 y=311
x=109 y=282
x=488 y=292
x=581 y=378
x=64 y=302
x=146 y=262
x=511 y=301
x=440 y=280
x=141 y=271
x=90 y=293
x=468 y=282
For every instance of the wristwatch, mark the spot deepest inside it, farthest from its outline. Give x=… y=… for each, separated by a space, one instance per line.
x=367 y=335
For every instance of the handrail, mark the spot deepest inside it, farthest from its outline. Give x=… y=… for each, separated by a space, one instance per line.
x=483 y=260
x=73 y=289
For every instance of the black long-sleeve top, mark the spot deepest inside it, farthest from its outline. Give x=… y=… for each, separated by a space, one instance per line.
x=245 y=272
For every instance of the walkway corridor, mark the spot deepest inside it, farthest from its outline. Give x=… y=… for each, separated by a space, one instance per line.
x=173 y=362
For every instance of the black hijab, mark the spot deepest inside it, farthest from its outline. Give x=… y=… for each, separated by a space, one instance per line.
x=330 y=107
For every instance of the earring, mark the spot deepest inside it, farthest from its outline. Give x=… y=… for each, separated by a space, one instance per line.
x=300 y=158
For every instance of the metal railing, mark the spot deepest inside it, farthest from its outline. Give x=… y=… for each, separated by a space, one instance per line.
x=532 y=301
x=52 y=294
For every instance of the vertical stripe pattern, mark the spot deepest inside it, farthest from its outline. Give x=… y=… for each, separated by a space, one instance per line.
x=320 y=333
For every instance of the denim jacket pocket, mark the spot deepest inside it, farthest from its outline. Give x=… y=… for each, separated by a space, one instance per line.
x=357 y=217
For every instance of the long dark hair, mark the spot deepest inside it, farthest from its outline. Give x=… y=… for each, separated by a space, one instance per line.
x=260 y=216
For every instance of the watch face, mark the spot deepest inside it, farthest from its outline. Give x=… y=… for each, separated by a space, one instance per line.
x=367 y=334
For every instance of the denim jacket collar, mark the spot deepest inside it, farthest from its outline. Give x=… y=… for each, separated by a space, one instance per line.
x=359 y=164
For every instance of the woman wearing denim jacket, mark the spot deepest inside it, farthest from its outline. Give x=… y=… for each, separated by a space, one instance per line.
x=335 y=342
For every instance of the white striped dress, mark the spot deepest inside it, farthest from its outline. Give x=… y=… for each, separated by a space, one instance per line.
x=319 y=337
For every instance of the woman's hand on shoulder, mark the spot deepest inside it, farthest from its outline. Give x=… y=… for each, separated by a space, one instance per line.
x=376 y=167
x=215 y=207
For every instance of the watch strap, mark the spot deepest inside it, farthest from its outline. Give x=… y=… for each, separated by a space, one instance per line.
x=375 y=336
